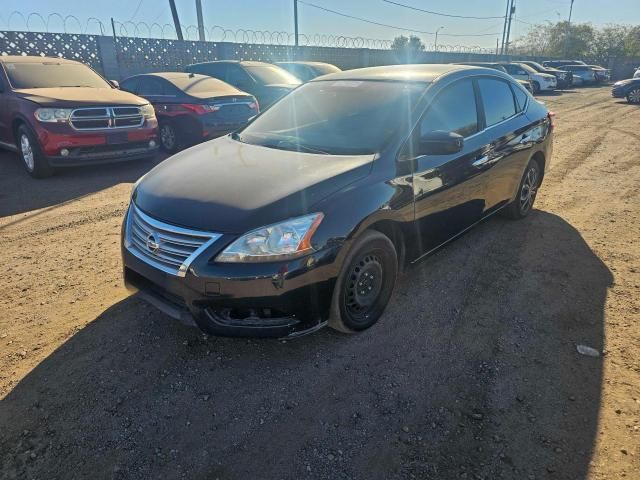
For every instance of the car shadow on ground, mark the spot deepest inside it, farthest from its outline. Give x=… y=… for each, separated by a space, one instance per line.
x=20 y=193
x=471 y=373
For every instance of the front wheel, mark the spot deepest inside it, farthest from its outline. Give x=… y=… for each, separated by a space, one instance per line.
x=527 y=191
x=634 y=96
x=536 y=87
x=365 y=284
x=30 y=153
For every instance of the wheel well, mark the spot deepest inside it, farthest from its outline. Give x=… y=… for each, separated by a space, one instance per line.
x=15 y=125
x=393 y=231
x=540 y=160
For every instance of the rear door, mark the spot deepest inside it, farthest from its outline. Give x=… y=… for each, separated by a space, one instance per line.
x=508 y=141
x=444 y=202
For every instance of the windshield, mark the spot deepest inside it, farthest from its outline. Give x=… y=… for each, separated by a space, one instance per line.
x=527 y=68
x=340 y=117
x=535 y=66
x=53 y=75
x=270 y=74
x=325 y=69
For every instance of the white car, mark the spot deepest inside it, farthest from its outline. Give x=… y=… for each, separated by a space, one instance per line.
x=540 y=81
x=637 y=73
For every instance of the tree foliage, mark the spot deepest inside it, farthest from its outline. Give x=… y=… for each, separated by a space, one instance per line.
x=580 y=40
x=411 y=44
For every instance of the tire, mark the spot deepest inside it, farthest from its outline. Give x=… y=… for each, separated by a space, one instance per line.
x=527 y=191
x=633 y=96
x=536 y=87
x=168 y=137
x=372 y=264
x=29 y=151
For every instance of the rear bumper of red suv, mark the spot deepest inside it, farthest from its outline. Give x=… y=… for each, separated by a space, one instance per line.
x=65 y=147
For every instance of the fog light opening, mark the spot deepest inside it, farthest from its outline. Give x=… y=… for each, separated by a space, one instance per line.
x=152 y=143
x=64 y=152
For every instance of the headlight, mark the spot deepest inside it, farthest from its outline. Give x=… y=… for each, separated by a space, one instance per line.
x=281 y=241
x=51 y=115
x=148 y=111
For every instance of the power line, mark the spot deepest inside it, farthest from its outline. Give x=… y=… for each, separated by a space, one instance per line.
x=438 y=13
x=395 y=27
x=136 y=10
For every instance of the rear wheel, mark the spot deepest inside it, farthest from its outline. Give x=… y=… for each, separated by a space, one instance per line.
x=365 y=284
x=634 y=96
x=168 y=137
x=527 y=191
x=30 y=153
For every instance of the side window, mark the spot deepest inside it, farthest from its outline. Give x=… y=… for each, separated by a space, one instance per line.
x=130 y=85
x=150 y=87
x=497 y=100
x=238 y=77
x=521 y=97
x=453 y=110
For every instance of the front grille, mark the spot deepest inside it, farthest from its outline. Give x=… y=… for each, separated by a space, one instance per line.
x=166 y=247
x=104 y=118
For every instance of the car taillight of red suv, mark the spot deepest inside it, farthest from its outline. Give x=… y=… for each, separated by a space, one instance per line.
x=60 y=113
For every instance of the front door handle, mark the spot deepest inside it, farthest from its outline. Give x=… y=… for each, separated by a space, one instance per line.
x=485 y=161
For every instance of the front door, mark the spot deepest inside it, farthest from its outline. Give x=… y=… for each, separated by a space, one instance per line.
x=444 y=201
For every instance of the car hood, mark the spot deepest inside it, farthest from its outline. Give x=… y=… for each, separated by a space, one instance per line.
x=79 y=96
x=627 y=82
x=546 y=75
x=226 y=186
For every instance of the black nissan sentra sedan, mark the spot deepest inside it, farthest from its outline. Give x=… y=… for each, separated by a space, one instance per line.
x=304 y=217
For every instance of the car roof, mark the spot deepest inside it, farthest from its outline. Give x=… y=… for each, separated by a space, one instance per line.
x=415 y=72
x=248 y=63
x=34 y=59
x=302 y=62
x=172 y=75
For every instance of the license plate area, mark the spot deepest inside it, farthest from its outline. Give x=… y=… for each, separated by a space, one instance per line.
x=117 y=138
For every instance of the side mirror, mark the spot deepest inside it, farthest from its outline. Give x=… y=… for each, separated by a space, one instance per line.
x=114 y=83
x=440 y=142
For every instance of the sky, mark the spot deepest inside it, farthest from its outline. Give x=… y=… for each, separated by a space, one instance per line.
x=277 y=15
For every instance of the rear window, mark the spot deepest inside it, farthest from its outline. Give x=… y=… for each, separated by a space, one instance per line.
x=270 y=74
x=53 y=75
x=198 y=84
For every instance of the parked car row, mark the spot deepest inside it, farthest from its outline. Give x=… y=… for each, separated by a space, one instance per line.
x=59 y=113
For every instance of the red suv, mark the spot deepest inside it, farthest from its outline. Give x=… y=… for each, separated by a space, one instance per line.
x=61 y=113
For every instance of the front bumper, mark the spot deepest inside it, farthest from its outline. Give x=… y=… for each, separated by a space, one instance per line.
x=620 y=92
x=97 y=146
x=259 y=300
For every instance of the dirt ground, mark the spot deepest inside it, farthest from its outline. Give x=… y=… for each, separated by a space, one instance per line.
x=472 y=373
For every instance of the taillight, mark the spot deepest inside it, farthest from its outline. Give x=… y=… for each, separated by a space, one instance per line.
x=551 y=116
x=200 y=109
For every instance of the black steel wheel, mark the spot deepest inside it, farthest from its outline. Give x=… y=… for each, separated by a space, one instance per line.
x=365 y=284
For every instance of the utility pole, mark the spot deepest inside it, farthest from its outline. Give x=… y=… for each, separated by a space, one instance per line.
x=295 y=20
x=566 y=39
x=435 y=46
x=504 y=27
x=176 y=20
x=511 y=12
x=201 y=35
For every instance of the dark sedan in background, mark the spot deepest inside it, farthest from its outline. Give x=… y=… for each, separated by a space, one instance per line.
x=192 y=108
x=306 y=215
x=629 y=89
x=264 y=81
x=563 y=77
x=306 y=71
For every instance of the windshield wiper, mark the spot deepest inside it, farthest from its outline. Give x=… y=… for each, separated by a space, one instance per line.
x=297 y=147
